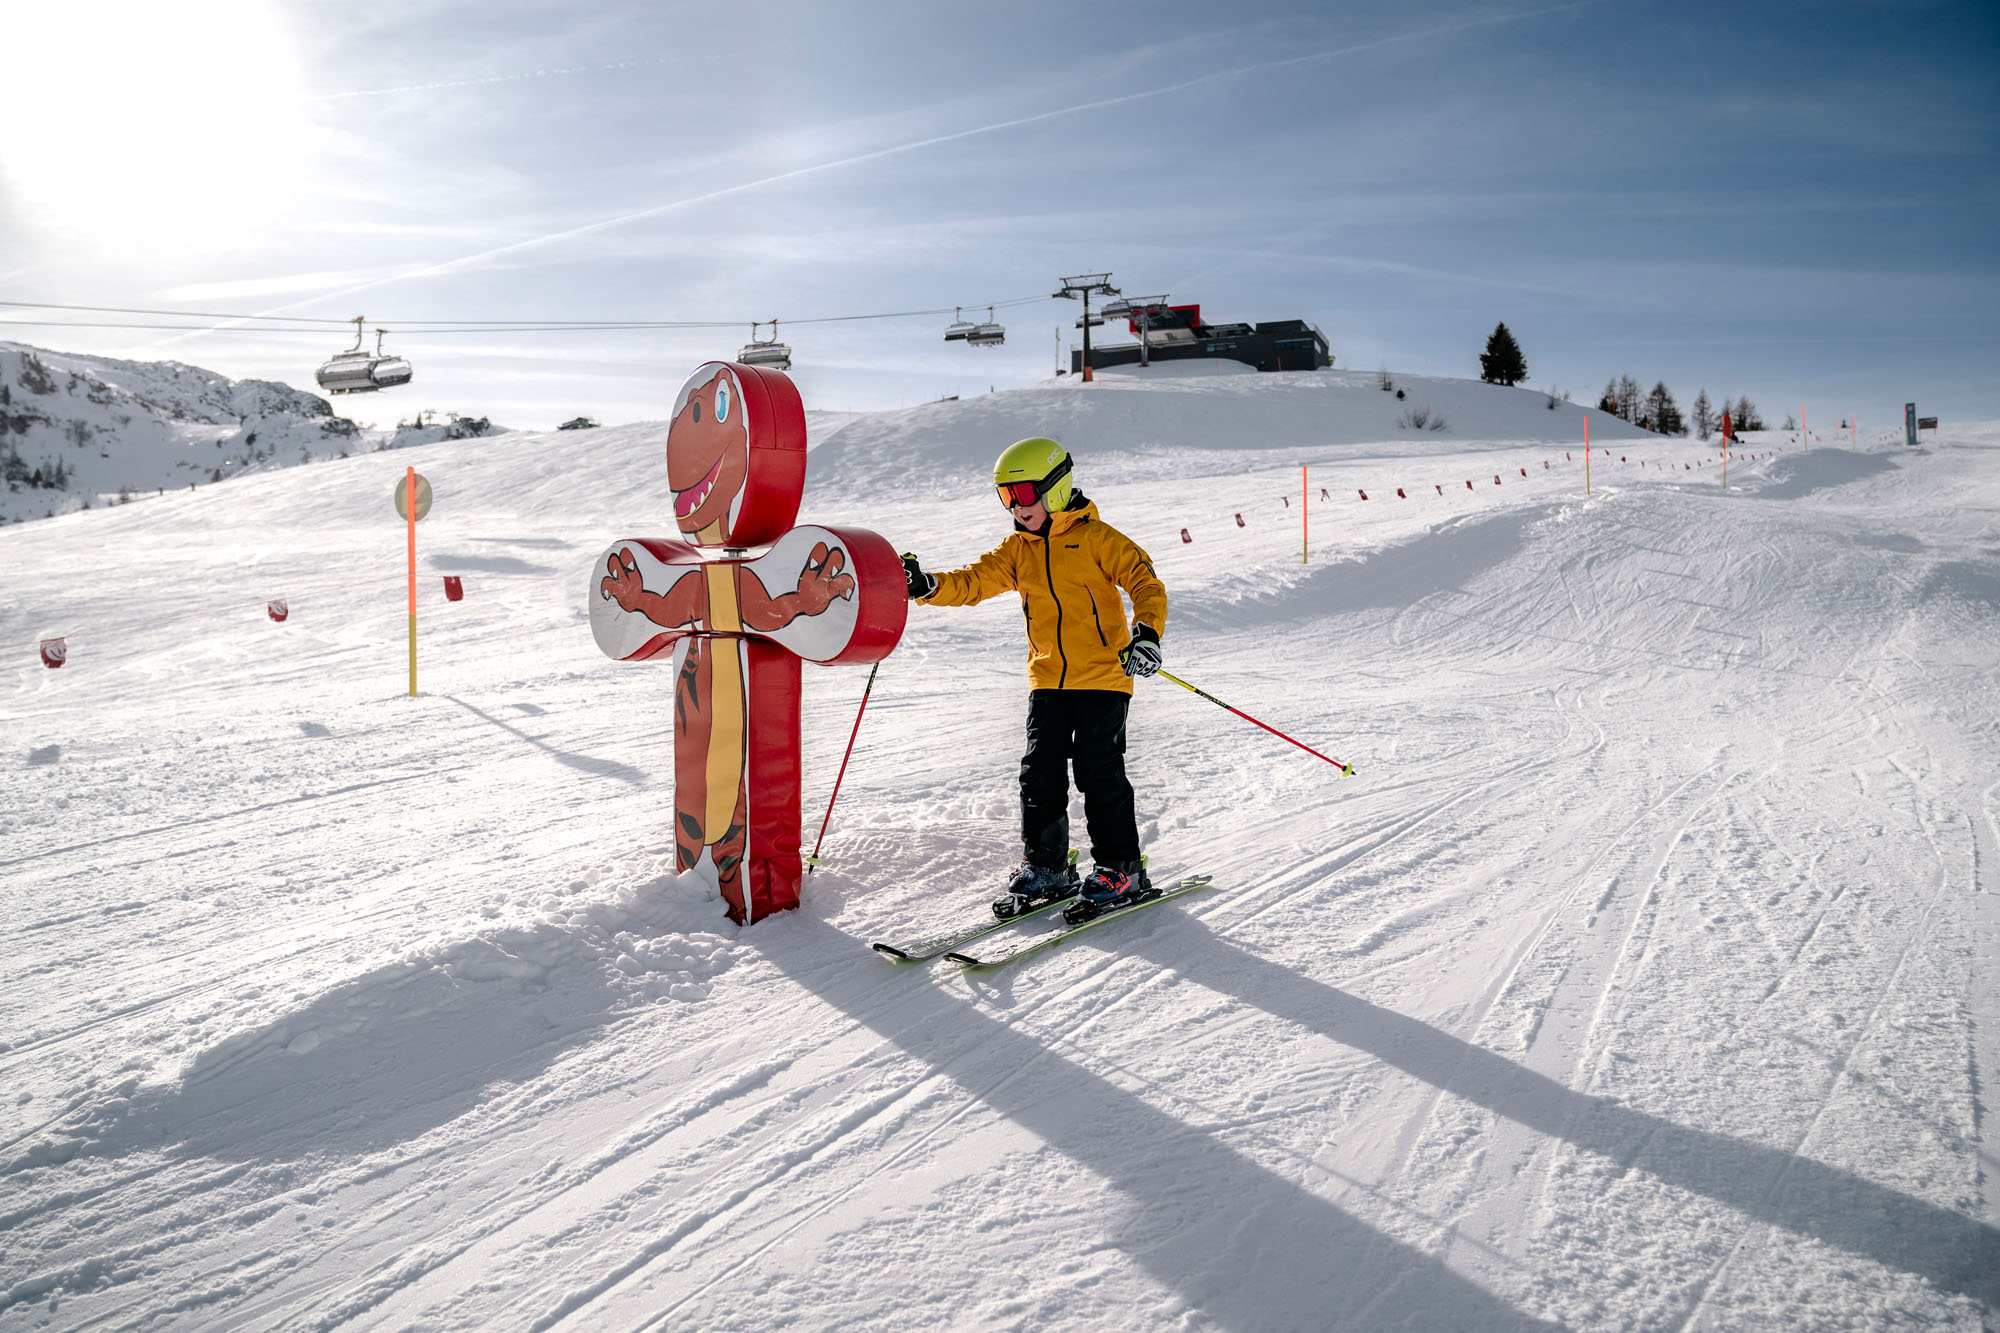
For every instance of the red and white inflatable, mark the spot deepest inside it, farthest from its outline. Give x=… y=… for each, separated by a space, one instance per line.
x=740 y=597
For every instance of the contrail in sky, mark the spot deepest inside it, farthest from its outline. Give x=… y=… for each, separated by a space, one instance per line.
x=915 y=145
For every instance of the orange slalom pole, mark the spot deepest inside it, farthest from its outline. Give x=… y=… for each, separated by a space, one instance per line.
x=1305 y=503
x=410 y=511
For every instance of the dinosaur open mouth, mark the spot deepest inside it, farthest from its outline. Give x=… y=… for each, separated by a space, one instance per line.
x=689 y=500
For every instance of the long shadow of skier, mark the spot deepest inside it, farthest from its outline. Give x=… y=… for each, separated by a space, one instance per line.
x=1953 y=1252
x=1245 y=1246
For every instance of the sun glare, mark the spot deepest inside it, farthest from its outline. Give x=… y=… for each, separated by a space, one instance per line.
x=147 y=127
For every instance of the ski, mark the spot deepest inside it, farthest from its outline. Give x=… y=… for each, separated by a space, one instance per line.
x=929 y=949
x=944 y=944
x=1187 y=885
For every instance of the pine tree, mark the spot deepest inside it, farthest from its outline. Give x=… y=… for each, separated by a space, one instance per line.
x=1630 y=405
x=1608 y=400
x=1746 y=415
x=1502 y=362
x=1704 y=414
x=1663 y=412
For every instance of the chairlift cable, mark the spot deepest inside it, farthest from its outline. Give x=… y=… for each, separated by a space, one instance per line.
x=400 y=332
x=529 y=325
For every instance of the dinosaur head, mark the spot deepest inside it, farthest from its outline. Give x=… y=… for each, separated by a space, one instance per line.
x=708 y=452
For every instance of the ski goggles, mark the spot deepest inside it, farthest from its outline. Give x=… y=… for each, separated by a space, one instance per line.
x=1022 y=494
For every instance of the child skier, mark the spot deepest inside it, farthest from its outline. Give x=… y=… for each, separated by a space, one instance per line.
x=1068 y=566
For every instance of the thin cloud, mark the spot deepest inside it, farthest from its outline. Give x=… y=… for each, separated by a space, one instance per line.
x=479 y=258
x=273 y=286
x=1884 y=339
x=560 y=72
x=1435 y=274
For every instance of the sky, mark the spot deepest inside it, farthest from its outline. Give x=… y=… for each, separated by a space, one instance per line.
x=1794 y=201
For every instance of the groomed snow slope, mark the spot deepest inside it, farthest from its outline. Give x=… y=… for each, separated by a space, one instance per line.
x=1641 y=978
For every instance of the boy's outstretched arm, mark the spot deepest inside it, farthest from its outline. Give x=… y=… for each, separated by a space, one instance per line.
x=988 y=576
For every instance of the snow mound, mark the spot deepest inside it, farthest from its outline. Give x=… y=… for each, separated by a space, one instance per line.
x=1316 y=413
x=1180 y=370
x=458 y=428
x=1800 y=474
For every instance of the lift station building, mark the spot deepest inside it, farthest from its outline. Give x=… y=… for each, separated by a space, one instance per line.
x=1176 y=333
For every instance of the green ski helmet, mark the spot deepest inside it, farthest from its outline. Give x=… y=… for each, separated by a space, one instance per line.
x=1032 y=469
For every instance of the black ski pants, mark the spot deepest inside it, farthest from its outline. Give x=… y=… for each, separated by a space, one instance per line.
x=1084 y=728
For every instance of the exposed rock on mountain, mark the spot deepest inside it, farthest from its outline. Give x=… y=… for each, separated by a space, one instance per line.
x=81 y=431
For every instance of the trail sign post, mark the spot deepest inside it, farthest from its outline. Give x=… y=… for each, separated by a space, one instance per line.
x=412 y=497
x=1910 y=424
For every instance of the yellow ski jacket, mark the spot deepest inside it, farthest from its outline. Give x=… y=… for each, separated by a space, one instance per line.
x=1069 y=582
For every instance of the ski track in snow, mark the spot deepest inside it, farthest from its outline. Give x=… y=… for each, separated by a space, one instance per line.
x=1642 y=978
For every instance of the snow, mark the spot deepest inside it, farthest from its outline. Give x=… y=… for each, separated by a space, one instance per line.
x=1642 y=977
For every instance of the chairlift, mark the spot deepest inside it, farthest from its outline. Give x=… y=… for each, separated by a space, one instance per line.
x=358 y=371
x=961 y=328
x=765 y=352
x=988 y=334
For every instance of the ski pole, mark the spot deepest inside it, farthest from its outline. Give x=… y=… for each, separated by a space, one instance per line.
x=812 y=861
x=1346 y=770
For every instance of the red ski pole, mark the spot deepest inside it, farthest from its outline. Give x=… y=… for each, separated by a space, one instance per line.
x=1346 y=770
x=813 y=860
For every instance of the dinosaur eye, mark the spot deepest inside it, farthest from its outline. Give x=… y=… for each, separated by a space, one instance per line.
x=695 y=403
x=722 y=402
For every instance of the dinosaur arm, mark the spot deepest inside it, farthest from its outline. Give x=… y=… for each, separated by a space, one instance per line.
x=680 y=604
x=820 y=582
x=761 y=611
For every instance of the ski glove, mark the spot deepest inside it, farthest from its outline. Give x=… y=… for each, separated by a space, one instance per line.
x=921 y=584
x=1141 y=656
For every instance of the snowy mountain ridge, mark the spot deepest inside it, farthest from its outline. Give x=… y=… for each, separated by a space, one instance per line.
x=80 y=431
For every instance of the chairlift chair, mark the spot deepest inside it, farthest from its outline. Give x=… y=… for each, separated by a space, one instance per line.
x=961 y=329
x=387 y=371
x=771 y=352
x=359 y=371
x=988 y=334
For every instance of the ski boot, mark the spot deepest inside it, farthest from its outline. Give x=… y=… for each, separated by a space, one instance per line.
x=1111 y=886
x=1035 y=886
